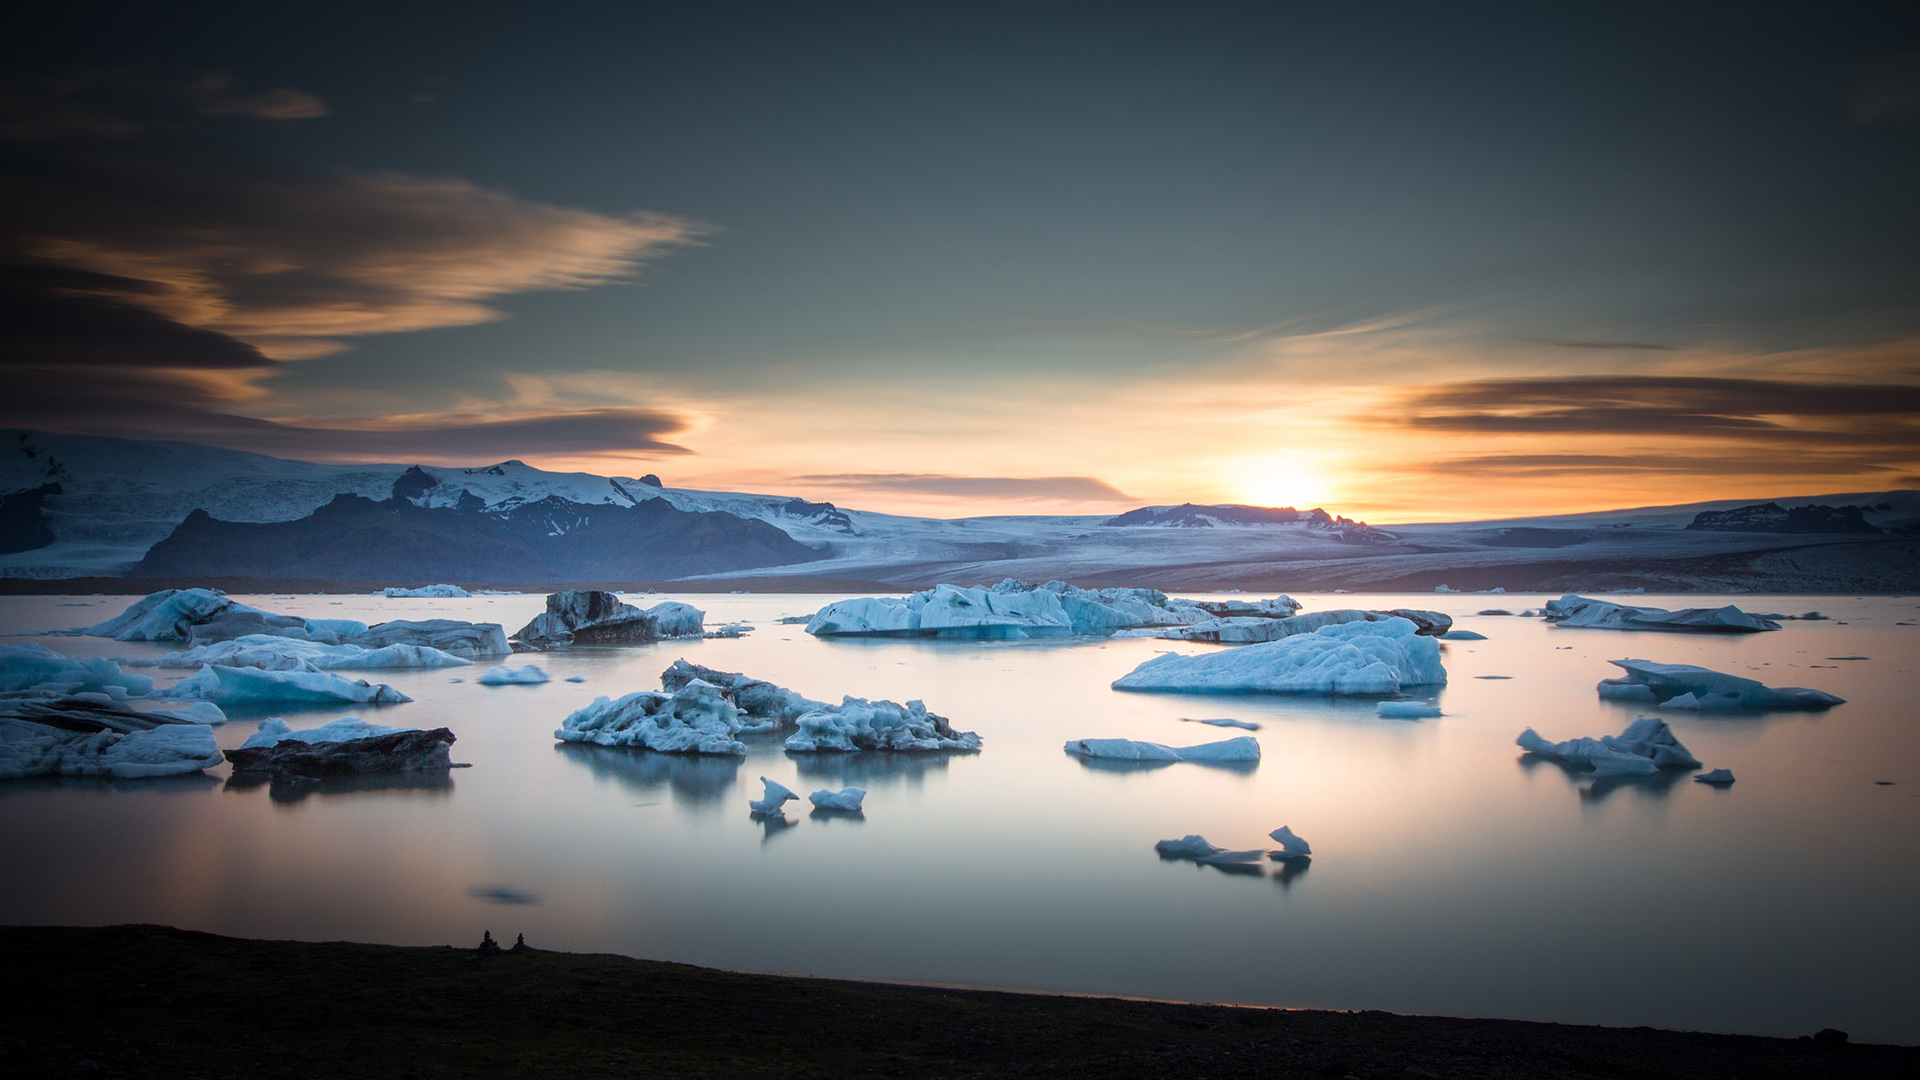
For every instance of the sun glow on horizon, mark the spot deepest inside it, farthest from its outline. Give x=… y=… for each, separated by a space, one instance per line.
x=1293 y=478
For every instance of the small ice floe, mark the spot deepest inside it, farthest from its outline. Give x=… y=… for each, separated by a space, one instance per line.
x=1647 y=746
x=1716 y=777
x=531 y=675
x=36 y=668
x=774 y=801
x=1406 y=710
x=1462 y=635
x=1191 y=846
x=1580 y=611
x=1362 y=657
x=859 y=724
x=848 y=799
x=1496 y=611
x=695 y=719
x=730 y=630
x=1291 y=846
x=576 y=678
x=1244 y=748
x=757 y=698
x=1685 y=686
x=425 y=592
x=346 y=748
x=241 y=686
x=1221 y=721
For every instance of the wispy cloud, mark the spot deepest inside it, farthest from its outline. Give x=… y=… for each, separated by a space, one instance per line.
x=1052 y=488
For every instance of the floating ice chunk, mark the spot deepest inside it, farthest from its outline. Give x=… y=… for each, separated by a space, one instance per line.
x=1407 y=710
x=845 y=799
x=49 y=736
x=774 y=801
x=434 y=592
x=1247 y=725
x=460 y=638
x=592 y=617
x=695 y=719
x=531 y=675
x=1716 y=777
x=288 y=654
x=1191 y=846
x=859 y=724
x=1647 y=746
x=169 y=750
x=1236 y=630
x=164 y=616
x=576 y=678
x=1291 y=846
x=333 y=631
x=1685 y=686
x=273 y=731
x=236 y=686
x=755 y=697
x=1581 y=611
x=344 y=748
x=1244 y=748
x=1463 y=635
x=1015 y=609
x=1349 y=658
x=1277 y=608
x=33 y=666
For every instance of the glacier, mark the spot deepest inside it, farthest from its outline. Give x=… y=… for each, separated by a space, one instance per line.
x=1353 y=658
x=1647 y=746
x=1686 y=686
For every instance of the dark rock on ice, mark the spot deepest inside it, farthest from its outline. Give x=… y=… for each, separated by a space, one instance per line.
x=592 y=617
x=410 y=751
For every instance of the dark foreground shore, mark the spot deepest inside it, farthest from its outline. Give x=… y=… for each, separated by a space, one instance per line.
x=154 y=1001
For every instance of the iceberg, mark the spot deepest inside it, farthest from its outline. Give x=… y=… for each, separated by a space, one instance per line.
x=34 y=667
x=1291 y=846
x=1716 y=777
x=467 y=640
x=774 y=801
x=1463 y=635
x=531 y=675
x=1014 y=609
x=1685 y=686
x=194 y=712
x=1406 y=710
x=848 y=799
x=695 y=719
x=272 y=731
x=1277 y=608
x=1191 y=846
x=1243 y=631
x=1580 y=611
x=346 y=747
x=601 y=618
x=859 y=724
x=1379 y=658
x=166 y=615
x=56 y=736
x=1647 y=746
x=288 y=654
x=1243 y=748
x=755 y=697
x=242 y=686
x=425 y=592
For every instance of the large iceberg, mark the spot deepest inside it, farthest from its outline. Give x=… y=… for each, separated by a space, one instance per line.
x=1243 y=630
x=288 y=654
x=34 y=667
x=859 y=724
x=242 y=686
x=1244 y=748
x=601 y=618
x=54 y=736
x=166 y=615
x=1377 y=658
x=425 y=592
x=1012 y=609
x=1581 y=611
x=695 y=719
x=1647 y=746
x=1685 y=686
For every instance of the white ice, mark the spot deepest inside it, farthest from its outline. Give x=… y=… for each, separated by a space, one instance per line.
x=695 y=719
x=237 y=686
x=165 y=615
x=1243 y=748
x=289 y=654
x=1407 y=710
x=859 y=724
x=32 y=666
x=434 y=592
x=274 y=730
x=774 y=801
x=1291 y=846
x=531 y=675
x=1581 y=611
x=1012 y=609
x=1685 y=686
x=1351 y=658
x=1647 y=746
x=848 y=798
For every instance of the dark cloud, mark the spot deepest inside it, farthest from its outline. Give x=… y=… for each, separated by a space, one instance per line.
x=1084 y=488
x=58 y=317
x=1661 y=405
x=283 y=103
x=1888 y=88
x=1600 y=465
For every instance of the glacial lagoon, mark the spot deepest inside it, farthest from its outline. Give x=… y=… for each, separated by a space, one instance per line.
x=1449 y=874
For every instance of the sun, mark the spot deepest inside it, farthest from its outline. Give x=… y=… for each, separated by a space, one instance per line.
x=1289 y=479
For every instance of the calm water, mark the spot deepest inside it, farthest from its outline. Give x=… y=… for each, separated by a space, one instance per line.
x=1449 y=876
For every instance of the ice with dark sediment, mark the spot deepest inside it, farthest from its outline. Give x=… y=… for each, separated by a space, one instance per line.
x=1238 y=630
x=1587 y=613
x=757 y=698
x=1686 y=686
x=1353 y=658
x=595 y=617
x=1647 y=746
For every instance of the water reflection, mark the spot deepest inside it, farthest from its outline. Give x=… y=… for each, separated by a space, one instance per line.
x=771 y=825
x=1652 y=785
x=823 y=815
x=293 y=789
x=1291 y=870
x=1123 y=765
x=869 y=768
x=694 y=779
x=191 y=782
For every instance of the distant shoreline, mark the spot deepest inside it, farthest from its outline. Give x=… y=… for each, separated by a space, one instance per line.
x=156 y=1001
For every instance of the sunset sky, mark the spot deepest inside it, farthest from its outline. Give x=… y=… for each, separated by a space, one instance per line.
x=1409 y=263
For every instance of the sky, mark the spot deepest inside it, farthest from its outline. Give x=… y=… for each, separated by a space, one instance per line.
x=1420 y=262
